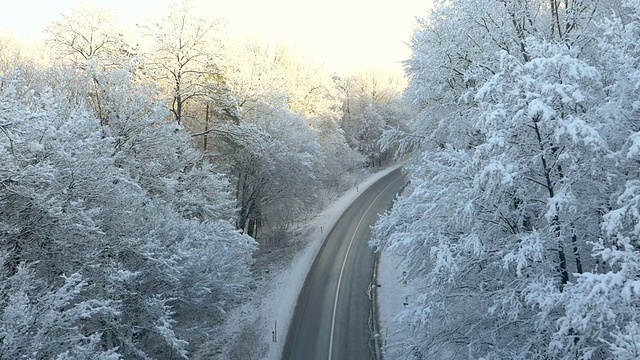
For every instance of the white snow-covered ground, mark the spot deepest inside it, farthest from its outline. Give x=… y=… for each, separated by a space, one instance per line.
x=392 y=295
x=251 y=326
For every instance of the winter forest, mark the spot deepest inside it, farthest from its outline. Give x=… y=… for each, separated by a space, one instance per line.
x=145 y=178
x=520 y=226
x=142 y=179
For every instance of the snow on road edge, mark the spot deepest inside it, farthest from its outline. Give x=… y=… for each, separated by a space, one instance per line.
x=281 y=302
x=393 y=293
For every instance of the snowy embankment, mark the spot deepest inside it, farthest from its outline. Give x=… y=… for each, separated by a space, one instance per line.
x=393 y=294
x=252 y=325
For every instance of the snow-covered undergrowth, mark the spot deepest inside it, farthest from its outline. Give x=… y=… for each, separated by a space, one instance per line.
x=250 y=329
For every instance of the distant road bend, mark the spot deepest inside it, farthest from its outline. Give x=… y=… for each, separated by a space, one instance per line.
x=332 y=319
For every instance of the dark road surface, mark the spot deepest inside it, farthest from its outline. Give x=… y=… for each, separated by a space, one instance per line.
x=332 y=319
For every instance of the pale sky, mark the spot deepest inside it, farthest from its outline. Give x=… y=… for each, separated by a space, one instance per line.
x=345 y=35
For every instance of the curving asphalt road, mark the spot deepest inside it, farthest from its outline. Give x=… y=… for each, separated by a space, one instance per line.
x=332 y=319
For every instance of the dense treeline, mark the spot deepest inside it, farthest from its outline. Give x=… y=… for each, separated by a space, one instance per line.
x=519 y=229
x=114 y=236
x=136 y=181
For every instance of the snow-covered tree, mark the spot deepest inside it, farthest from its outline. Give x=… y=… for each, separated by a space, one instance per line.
x=88 y=39
x=123 y=233
x=522 y=173
x=601 y=307
x=185 y=59
x=88 y=33
x=372 y=104
x=286 y=153
x=40 y=321
x=273 y=167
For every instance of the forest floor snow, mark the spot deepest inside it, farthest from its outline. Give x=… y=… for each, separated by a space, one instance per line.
x=258 y=328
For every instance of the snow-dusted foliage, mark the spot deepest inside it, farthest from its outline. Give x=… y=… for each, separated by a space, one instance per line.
x=115 y=239
x=372 y=103
x=520 y=224
x=185 y=59
x=293 y=146
x=272 y=167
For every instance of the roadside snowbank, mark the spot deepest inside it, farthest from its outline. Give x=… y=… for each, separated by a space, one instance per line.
x=393 y=293
x=259 y=328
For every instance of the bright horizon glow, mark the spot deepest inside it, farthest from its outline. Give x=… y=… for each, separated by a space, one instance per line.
x=345 y=35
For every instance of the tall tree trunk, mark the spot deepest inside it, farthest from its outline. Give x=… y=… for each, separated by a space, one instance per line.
x=206 y=128
x=177 y=101
x=555 y=18
x=519 y=27
x=98 y=107
x=576 y=253
x=555 y=222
